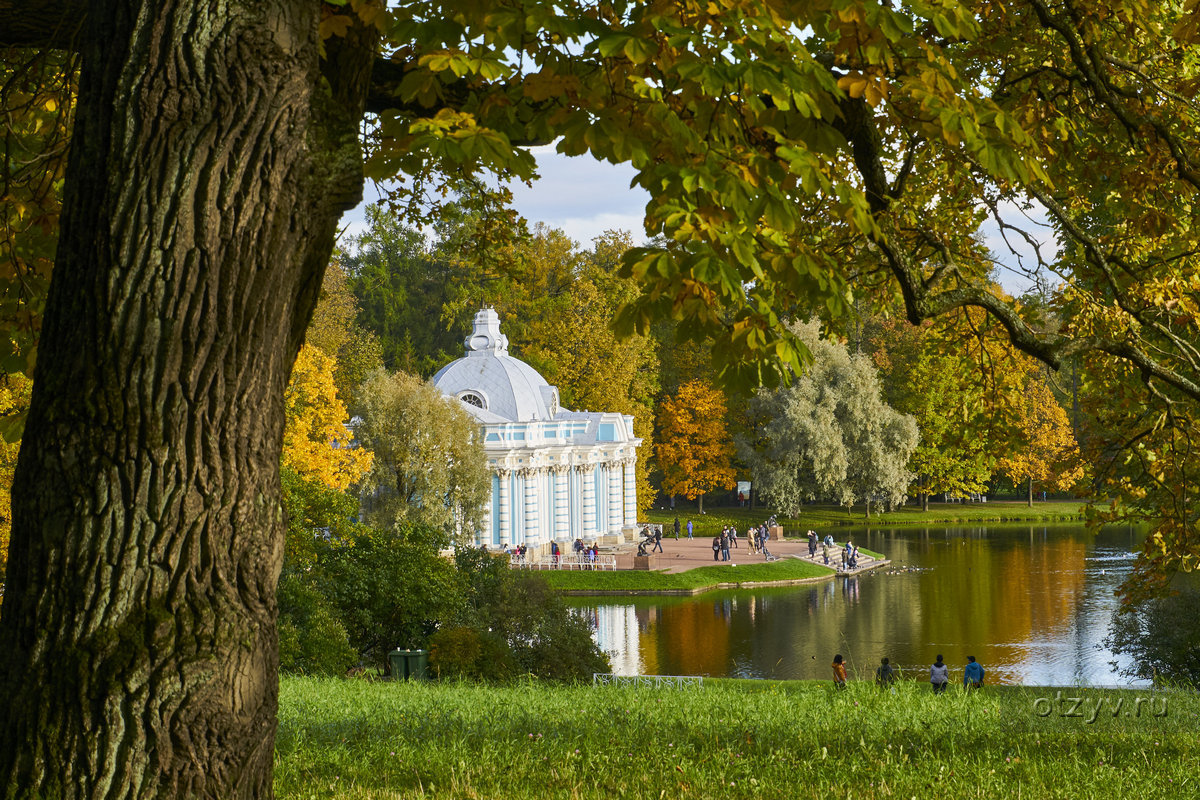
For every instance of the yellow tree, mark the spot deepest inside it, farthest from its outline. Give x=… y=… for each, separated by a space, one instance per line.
x=1044 y=449
x=695 y=450
x=316 y=442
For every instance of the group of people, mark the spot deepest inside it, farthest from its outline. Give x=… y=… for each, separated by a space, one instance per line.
x=588 y=551
x=849 y=552
x=886 y=675
x=756 y=539
x=722 y=544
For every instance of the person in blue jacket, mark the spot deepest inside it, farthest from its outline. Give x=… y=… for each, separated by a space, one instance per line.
x=973 y=674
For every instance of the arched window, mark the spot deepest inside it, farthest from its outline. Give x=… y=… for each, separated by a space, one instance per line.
x=472 y=399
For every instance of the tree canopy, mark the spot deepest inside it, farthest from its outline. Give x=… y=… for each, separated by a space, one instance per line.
x=430 y=467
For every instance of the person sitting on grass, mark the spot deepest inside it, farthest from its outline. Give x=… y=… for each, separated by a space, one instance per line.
x=885 y=675
x=973 y=674
x=839 y=672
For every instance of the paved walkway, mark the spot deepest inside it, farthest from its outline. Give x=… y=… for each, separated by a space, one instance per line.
x=682 y=555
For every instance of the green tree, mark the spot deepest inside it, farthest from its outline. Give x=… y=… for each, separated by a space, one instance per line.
x=695 y=451
x=512 y=624
x=791 y=150
x=1160 y=637
x=945 y=396
x=430 y=467
x=830 y=434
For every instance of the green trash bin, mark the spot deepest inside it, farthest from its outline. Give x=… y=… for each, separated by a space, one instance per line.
x=418 y=664
x=409 y=664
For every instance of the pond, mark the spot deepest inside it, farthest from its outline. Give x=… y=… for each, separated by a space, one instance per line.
x=1031 y=602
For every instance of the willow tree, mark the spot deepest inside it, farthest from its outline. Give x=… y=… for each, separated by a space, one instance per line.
x=795 y=153
x=830 y=435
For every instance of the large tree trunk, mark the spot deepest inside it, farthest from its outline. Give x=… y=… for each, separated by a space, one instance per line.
x=701 y=503
x=209 y=168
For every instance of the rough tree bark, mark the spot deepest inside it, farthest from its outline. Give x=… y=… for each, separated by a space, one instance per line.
x=213 y=154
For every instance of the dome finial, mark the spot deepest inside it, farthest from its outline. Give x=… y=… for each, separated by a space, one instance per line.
x=486 y=337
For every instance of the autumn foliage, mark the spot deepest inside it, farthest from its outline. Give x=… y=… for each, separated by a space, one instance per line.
x=316 y=441
x=695 y=450
x=1044 y=453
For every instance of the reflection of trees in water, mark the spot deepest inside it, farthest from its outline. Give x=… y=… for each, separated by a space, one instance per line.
x=1161 y=638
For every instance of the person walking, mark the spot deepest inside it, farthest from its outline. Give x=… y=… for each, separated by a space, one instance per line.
x=825 y=552
x=677 y=529
x=812 y=544
x=939 y=675
x=733 y=536
x=657 y=539
x=885 y=675
x=973 y=674
x=839 y=672
x=689 y=528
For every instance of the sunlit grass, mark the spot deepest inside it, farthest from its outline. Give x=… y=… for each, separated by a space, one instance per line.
x=785 y=569
x=826 y=516
x=351 y=739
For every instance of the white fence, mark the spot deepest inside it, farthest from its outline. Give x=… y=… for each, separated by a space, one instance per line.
x=655 y=681
x=563 y=562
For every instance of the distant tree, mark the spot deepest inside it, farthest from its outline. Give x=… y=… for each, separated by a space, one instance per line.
x=401 y=288
x=430 y=468
x=926 y=377
x=1045 y=451
x=316 y=441
x=336 y=330
x=830 y=434
x=695 y=451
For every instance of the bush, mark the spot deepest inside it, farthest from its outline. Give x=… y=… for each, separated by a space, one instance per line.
x=312 y=640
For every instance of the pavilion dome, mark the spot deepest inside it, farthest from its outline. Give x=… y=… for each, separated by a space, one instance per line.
x=492 y=384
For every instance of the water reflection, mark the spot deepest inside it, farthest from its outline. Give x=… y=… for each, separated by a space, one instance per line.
x=1032 y=603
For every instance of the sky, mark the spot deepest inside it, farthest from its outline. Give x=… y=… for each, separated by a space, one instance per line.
x=584 y=198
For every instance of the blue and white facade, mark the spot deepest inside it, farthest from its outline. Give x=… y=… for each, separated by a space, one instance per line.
x=557 y=475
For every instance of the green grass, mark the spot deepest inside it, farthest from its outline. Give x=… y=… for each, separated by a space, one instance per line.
x=825 y=516
x=728 y=739
x=786 y=569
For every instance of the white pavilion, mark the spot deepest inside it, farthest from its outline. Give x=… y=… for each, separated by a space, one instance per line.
x=557 y=475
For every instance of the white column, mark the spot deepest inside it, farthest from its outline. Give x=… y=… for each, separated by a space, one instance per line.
x=533 y=531
x=587 y=474
x=616 y=519
x=630 y=494
x=505 y=508
x=562 y=503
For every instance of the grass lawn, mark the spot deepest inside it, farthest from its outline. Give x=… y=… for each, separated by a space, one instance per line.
x=786 y=569
x=730 y=739
x=826 y=516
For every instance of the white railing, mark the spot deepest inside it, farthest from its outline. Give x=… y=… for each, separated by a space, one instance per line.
x=563 y=562
x=654 y=681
